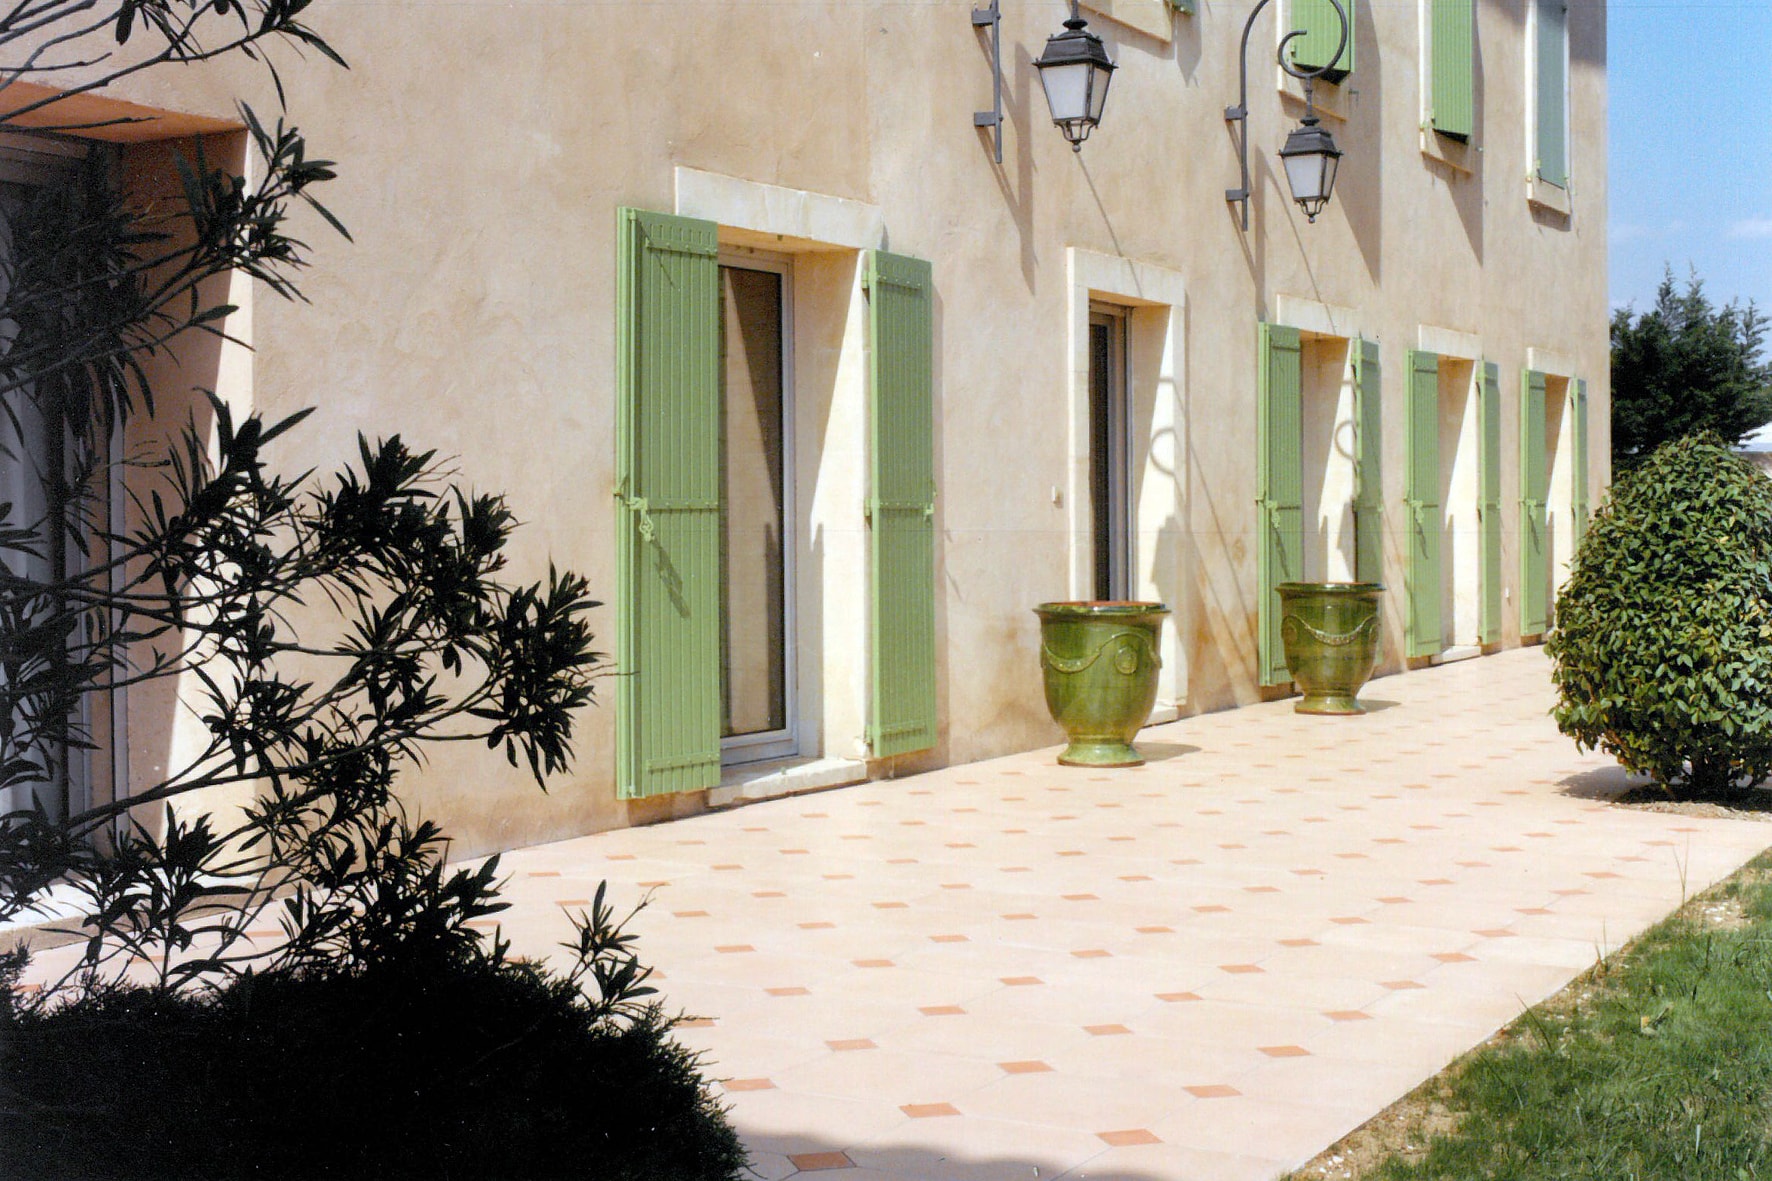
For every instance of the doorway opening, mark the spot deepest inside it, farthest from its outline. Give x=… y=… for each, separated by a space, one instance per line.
x=757 y=683
x=1461 y=569
x=1327 y=417
x=1110 y=467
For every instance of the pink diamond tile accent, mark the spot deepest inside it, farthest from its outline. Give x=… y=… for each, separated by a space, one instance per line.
x=839 y=877
x=1135 y=877
x=941 y=1011
x=620 y=857
x=1533 y=910
x=1494 y=933
x=1176 y=997
x=1285 y=1051
x=1185 y=861
x=956 y=885
x=1021 y=981
x=769 y=894
x=1349 y=920
x=681 y=914
x=1454 y=957
x=1401 y=985
x=1092 y=953
x=749 y=1084
x=1213 y=1091
x=843 y=1045
x=949 y=939
x=1128 y=1137
x=891 y=905
x=1347 y=1015
x=1261 y=889
x=1081 y=898
x=1105 y=1030
x=929 y=1110
x=1020 y=916
x=793 y=990
x=542 y=873
x=734 y=948
x=1156 y=930
x=1394 y=900
x=1213 y=909
x=728 y=866
x=819 y=926
x=1436 y=881
x=872 y=963
x=1031 y=1066
x=817 y=1162
x=1299 y=943
x=696 y=1022
x=1240 y=969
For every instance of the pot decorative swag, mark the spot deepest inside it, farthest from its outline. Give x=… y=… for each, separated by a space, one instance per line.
x=1100 y=663
x=1330 y=634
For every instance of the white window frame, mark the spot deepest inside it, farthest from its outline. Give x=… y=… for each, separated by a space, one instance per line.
x=783 y=743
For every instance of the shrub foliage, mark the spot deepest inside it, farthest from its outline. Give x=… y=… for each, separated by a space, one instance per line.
x=1663 y=638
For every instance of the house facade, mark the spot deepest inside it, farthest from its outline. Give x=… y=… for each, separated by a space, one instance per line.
x=738 y=305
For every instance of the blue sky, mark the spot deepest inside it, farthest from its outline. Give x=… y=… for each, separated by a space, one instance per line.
x=1690 y=146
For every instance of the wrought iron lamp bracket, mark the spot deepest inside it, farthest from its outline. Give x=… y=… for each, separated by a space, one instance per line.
x=993 y=118
x=1239 y=114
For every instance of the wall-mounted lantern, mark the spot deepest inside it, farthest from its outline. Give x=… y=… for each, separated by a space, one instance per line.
x=1310 y=155
x=1075 y=71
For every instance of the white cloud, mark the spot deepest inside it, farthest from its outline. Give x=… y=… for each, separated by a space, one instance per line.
x=1752 y=227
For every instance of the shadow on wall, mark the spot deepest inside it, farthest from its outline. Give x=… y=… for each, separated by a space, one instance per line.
x=1018 y=198
x=1360 y=184
x=179 y=375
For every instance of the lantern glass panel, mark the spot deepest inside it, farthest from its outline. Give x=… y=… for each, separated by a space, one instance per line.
x=1067 y=90
x=1098 y=91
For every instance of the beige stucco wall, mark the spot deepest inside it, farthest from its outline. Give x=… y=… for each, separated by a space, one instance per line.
x=484 y=149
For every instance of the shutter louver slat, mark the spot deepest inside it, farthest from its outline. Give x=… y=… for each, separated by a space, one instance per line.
x=1426 y=514
x=1552 y=88
x=667 y=693
x=1489 y=507
x=1280 y=550
x=901 y=505
x=1453 y=66
x=1534 y=497
x=1322 y=32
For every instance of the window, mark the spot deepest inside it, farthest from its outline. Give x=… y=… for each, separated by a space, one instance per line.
x=1551 y=92
x=1451 y=64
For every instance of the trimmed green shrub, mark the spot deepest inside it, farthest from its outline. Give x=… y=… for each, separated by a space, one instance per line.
x=1663 y=636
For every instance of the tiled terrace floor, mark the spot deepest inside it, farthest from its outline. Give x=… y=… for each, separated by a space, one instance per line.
x=1209 y=967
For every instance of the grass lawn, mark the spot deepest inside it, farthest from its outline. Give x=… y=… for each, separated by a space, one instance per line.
x=1656 y=1064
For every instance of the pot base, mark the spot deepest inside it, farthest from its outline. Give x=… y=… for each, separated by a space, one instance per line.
x=1331 y=704
x=1100 y=754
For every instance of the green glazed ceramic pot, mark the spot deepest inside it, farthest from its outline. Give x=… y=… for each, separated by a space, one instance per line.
x=1330 y=631
x=1100 y=663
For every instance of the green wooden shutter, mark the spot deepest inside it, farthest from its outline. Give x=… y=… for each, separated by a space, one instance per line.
x=901 y=509
x=1534 y=494
x=1322 y=32
x=667 y=693
x=1552 y=118
x=1489 y=504
x=1453 y=64
x=1368 y=465
x=1579 y=507
x=1427 y=522
x=1281 y=548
